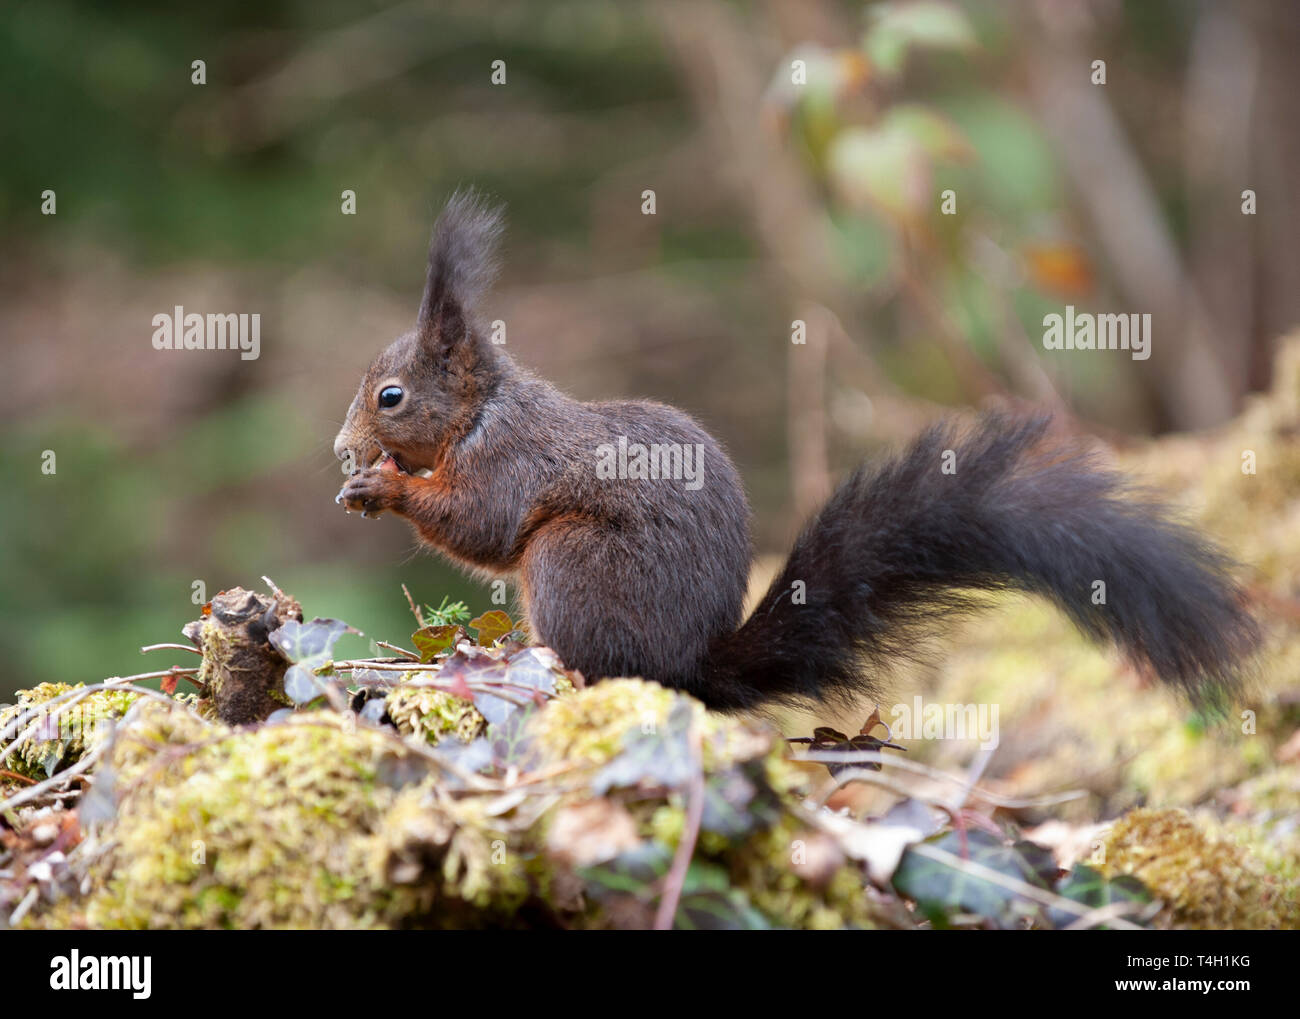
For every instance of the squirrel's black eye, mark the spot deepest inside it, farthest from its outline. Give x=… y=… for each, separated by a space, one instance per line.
x=390 y=396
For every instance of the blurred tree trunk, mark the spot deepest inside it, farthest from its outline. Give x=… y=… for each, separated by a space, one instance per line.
x=1185 y=370
x=1276 y=147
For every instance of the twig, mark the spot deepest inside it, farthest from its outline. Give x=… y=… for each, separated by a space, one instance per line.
x=970 y=371
x=878 y=779
x=401 y=651
x=176 y=647
x=875 y=757
x=54 y=781
x=67 y=700
x=676 y=877
x=14 y=776
x=29 y=900
x=1110 y=912
x=380 y=665
x=419 y=619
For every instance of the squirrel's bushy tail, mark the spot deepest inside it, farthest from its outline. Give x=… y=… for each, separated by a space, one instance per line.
x=902 y=544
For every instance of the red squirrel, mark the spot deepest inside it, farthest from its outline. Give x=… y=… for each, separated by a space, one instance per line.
x=626 y=527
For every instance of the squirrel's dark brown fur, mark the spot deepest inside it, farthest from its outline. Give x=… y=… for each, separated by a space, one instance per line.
x=641 y=577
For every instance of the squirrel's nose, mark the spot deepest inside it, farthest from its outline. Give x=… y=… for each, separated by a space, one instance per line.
x=341 y=447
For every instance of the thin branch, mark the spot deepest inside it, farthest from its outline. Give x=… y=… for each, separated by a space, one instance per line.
x=875 y=757
x=53 y=782
x=175 y=647
x=419 y=619
x=67 y=700
x=401 y=651
x=1111 y=912
x=676 y=877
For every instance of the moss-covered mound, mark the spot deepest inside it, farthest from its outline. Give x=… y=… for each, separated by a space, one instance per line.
x=324 y=821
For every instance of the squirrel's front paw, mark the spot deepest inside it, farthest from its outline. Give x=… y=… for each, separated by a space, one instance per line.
x=372 y=491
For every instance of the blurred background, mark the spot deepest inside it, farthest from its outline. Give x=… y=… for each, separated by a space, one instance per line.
x=797 y=150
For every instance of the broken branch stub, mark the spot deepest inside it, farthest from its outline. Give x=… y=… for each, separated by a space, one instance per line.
x=242 y=672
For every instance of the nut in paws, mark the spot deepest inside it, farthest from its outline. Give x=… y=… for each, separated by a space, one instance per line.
x=371 y=491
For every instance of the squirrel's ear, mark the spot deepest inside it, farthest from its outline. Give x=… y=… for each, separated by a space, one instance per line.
x=462 y=264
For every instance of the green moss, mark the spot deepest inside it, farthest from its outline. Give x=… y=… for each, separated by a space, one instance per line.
x=433 y=715
x=282 y=826
x=589 y=727
x=1206 y=880
x=68 y=736
x=833 y=897
x=306 y=824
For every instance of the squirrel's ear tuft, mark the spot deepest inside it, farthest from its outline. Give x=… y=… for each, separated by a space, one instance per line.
x=462 y=264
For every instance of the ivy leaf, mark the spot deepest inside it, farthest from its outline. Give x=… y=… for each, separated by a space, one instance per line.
x=302 y=685
x=475 y=756
x=397 y=771
x=709 y=903
x=492 y=626
x=941 y=889
x=510 y=742
x=660 y=758
x=372 y=679
x=530 y=668
x=310 y=644
x=738 y=801
x=431 y=641
x=632 y=872
x=99 y=804
x=1088 y=887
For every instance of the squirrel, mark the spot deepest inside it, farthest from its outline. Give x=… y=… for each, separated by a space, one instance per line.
x=638 y=575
